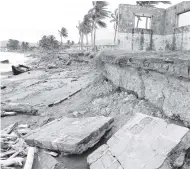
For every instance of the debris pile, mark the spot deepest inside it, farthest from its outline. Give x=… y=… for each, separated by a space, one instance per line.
x=13 y=147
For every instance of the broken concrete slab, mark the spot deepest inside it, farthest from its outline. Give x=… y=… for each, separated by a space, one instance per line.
x=145 y=142
x=45 y=161
x=70 y=135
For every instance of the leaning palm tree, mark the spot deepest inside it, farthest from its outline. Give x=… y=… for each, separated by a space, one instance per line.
x=98 y=13
x=115 y=19
x=150 y=4
x=63 y=33
x=86 y=26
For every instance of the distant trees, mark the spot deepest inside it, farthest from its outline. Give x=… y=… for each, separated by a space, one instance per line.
x=48 y=42
x=63 y=33
x=24 y=46
x=13 y=44
x=68 y=42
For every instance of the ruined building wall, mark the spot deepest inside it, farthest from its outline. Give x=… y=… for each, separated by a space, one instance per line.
x=164 y=33
x=176 y=38
x=134 y=39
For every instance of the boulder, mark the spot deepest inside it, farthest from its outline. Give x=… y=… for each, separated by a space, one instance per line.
x=144 y=142
x=70 y=135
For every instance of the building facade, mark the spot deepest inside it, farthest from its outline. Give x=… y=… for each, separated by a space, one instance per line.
x=142 y=28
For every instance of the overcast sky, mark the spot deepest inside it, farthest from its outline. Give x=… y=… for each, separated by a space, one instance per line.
x=29 y=20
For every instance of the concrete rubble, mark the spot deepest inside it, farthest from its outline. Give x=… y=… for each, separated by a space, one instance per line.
x=45 y=161
x=70 y=135
x=144 y=142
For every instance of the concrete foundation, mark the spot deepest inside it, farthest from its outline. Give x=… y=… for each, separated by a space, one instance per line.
x=163 y=81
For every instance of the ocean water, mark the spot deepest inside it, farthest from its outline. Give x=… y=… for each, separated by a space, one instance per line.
x=14 y=59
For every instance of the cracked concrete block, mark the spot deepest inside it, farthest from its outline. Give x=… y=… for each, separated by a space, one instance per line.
x=70 y=135
x=43 y=160
x=144 y=142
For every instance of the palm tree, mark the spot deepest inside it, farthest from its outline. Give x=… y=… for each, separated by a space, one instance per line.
x=115 y=19
x=63 y=33
x=86 y=26
x=80 y=35
x=98 y=13
x=150 y=4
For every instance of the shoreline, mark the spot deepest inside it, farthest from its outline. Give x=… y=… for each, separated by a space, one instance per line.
x=27 y=60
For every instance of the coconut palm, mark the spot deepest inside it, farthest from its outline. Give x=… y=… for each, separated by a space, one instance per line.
x=115 y=19
x=86 y=26
x=80 y=35
x=97 y=14
x=63 y=33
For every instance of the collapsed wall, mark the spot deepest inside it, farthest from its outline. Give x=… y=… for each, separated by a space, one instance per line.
x=162 y=79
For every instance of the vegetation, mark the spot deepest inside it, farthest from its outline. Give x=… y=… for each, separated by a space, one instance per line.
x=91 y=21
x=98 y=13
x=48 y=42
x=63 y=33
x=25 y=46
x=115 y=19
x=13 y=44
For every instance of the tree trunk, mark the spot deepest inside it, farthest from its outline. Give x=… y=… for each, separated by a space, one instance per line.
x=86 y=39
x=94 y=44
x=92 y=37
x=79 y=40
x=115 y=27
x=61 y=41
x=82 y=37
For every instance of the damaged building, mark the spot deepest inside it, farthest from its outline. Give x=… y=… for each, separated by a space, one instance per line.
x=143 y=28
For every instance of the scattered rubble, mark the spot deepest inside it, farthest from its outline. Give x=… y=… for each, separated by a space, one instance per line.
x=70 y=135
x=46 y=161
x=13 y=147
